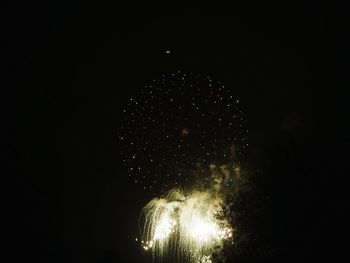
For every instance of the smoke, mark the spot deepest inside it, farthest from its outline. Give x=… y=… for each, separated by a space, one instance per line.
x=188 y=225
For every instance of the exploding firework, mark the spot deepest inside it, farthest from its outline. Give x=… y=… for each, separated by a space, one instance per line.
x=177 y=122
x=185 y=133
x=185 y=226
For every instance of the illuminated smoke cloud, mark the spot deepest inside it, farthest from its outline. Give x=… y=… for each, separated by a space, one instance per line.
x=185 y=225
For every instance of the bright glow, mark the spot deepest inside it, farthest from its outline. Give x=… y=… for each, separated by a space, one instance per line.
x=164 y=228
x=204 y=231
x=185 y=224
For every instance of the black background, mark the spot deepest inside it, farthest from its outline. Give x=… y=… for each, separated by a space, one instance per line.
x=74 y=66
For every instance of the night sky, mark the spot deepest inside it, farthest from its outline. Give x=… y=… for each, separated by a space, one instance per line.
x=76 y=66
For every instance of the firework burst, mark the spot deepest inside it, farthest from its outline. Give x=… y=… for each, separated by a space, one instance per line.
x=185 y=133
x=185 y=225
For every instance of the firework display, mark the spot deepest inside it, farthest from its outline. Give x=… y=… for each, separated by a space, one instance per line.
x=177 y=122
x=184 y=135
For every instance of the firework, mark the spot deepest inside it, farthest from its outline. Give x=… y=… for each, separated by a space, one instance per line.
x=186 y=133
x=185 y=225
x=177 y=122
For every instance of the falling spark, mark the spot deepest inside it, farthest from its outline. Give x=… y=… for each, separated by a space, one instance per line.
x=185 y=224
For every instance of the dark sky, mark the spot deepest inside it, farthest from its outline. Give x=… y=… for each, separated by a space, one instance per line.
x=76 y=64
